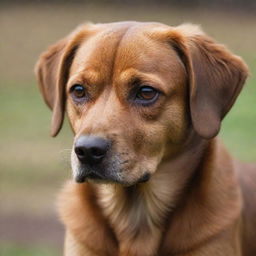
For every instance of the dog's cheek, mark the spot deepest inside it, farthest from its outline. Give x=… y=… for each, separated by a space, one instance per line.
x=177 y=122
x=74 y=116
x=154 y=141
x=175 y=127
x=150 y=142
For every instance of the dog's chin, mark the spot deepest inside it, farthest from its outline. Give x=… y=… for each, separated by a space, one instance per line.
x=94 y=177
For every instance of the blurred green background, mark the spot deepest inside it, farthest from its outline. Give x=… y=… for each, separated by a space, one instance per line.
x=33 y=165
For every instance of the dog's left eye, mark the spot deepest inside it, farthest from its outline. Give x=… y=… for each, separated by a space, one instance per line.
x=79 y=93
x=146 y=94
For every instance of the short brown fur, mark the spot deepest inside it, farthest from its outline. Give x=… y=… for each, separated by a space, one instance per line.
x=198 y=200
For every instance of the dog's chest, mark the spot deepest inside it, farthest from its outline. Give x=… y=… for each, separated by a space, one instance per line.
x=136 y=217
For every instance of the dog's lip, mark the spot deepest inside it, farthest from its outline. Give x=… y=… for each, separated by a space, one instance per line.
x=94 y=175
x=82 y=177
x=144 y=178
x=89 y=174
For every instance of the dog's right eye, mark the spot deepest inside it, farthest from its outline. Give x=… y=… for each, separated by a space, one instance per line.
x=78 y=92
x=146 y=95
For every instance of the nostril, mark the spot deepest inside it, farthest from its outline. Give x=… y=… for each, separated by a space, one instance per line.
x=97 y=152
x=80 y=152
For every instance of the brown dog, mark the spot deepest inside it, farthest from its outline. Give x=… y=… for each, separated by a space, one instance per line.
x=145 y=102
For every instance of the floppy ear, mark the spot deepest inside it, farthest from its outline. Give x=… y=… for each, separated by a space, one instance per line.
x=47 y=72
x=215 y=77
x=52 y=71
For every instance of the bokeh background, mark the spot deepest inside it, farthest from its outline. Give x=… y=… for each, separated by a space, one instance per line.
x=33 y=166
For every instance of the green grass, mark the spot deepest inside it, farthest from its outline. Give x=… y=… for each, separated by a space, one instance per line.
x=29 y=156
x=239 y=127
x=12 y=250
x=33 y=165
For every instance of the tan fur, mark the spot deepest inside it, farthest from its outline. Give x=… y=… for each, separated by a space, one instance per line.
x=193 y=204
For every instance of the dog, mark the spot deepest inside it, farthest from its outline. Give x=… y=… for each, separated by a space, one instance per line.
x=145 y=102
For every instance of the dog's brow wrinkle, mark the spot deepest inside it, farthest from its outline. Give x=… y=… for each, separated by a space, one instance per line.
x=117 y=49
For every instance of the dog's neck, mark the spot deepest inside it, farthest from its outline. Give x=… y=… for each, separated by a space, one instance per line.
x=138 y=213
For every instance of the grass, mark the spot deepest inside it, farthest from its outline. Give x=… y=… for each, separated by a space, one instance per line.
x=9 y=250
x=238 y=128
x=33 y=165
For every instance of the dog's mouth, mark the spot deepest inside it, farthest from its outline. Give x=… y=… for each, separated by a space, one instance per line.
x=82 y=177
x=96 y=177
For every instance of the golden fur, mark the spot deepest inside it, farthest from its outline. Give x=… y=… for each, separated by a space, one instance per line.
x=192 y=204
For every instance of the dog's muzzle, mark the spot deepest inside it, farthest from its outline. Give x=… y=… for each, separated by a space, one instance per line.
x=96 y=161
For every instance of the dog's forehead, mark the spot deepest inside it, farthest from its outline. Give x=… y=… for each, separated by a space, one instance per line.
x=122 y=46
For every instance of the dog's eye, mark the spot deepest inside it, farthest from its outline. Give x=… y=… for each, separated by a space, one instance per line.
x=78 y=91
x=146 y=94
x=79 y=94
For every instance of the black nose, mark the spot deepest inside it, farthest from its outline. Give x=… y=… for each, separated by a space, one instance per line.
x=91 y=149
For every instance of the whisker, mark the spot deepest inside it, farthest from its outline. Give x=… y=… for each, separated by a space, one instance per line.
x=65 y=155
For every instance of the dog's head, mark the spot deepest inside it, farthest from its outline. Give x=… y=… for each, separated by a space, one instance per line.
x=135 y=93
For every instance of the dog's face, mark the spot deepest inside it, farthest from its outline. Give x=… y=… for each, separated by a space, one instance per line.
x=135 y=93
x=129 y=90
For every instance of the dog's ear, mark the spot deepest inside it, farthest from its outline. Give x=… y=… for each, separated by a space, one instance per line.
x=215 y=77
x=47 y=72
x=52 y=71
